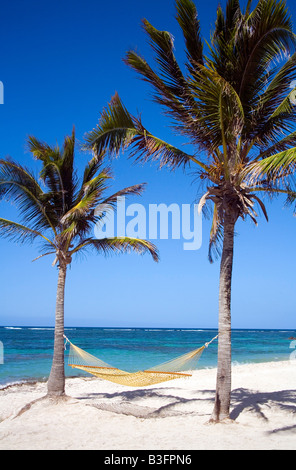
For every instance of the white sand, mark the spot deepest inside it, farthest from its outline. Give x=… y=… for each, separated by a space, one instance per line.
x=170 y=416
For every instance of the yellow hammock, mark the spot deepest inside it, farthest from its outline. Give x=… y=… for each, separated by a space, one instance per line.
x=174 y=369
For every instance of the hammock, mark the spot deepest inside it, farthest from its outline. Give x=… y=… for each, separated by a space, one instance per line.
x=174 y=369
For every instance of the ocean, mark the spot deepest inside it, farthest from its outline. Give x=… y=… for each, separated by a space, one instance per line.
x=27 y=351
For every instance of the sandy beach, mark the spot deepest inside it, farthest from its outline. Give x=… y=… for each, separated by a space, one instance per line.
x=173 y=415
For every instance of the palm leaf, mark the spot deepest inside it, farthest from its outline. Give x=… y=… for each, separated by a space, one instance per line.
x=84 y=208
x=279 y=146
x=68 y=173
x=274 y=167
x=163 y=45
x=57 y=170
x=135 y=190
x=114 y=131
x=172 y=91
x=19 y=232
x=216 y=237
x=117 y=130
x=271 y=36
x=189 y=23
x=50 y=158
x=18 y=184
x=118 y=245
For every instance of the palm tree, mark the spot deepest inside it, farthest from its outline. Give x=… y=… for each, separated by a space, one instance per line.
x=61 y=212
x=230 y=105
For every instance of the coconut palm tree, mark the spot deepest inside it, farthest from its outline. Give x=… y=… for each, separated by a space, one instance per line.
x=60 y=210
x=230 y=105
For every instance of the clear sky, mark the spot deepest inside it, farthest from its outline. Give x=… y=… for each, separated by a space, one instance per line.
x=61 y=61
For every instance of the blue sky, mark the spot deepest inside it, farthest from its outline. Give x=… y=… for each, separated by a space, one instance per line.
x=61 y=61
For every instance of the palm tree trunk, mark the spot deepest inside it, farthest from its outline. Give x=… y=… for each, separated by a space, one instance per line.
x=56 y=381
x=223 y=384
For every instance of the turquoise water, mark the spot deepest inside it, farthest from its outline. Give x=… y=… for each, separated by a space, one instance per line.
x=28 y=350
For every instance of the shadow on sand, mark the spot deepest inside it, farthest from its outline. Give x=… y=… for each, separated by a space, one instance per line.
x=164 y=403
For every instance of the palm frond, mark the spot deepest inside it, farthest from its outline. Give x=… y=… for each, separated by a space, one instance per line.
x=114 y=131
x=278 y=94
x=118 y=245
x=273 y=167
x=44 y=254
x=216 y=237
x=175 y=95
x=118 y=130
x=93 y=167
x=20 y=233
x=190 y=25
x=163 y=45
x=67 y=170
x=262 y=206
x=49 y=156
x=221 y=110
x=244 y=49
x=147 y=147
x=279 y=146
x=79 y=219
x=271 y=37
x=57 y=170
x=135 y=190
x=274 y=110
x=19 y=185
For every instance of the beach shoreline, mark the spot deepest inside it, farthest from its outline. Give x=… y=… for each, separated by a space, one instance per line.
x=173 y=415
